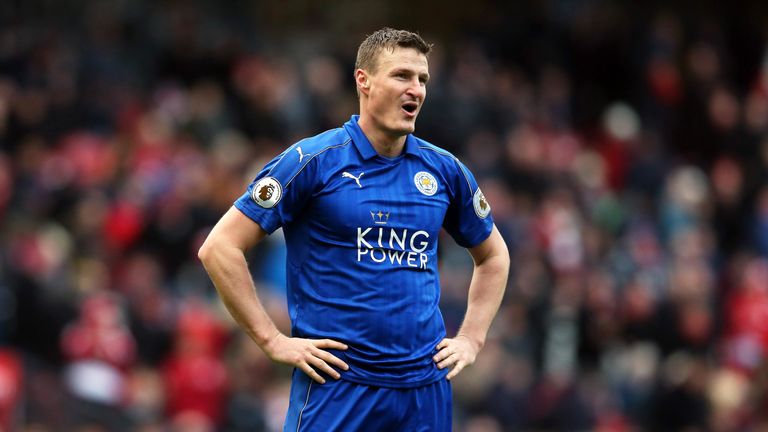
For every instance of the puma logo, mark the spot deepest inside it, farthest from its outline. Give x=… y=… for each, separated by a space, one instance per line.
x=301 y=155
x=356 y=179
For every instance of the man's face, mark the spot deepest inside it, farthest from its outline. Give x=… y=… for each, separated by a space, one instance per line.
x=397 y=90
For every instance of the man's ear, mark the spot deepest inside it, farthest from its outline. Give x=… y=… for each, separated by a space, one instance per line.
x=361 y=79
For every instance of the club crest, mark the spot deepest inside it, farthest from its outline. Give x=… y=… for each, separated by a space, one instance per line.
x=425 y=183
x=267 y=192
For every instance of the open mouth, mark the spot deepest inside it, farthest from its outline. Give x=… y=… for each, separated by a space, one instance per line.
x=410 y=107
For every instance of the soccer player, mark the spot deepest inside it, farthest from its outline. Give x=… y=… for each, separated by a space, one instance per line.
x=361 y=207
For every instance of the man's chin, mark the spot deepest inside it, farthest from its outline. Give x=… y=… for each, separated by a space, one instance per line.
x=407 y=127
x=401 y=128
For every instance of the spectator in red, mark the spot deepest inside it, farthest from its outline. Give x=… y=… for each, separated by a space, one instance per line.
x=746 y=343
x=11 y=377
x=100 y=350
x=195 y=376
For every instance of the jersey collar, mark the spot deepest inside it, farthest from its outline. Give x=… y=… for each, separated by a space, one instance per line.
x=366 y=148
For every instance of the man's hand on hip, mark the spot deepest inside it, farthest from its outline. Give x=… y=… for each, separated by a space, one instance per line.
x=309 y=355
x=457 y=353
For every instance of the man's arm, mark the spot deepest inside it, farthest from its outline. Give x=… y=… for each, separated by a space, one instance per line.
x=223 y=256
x=489 y=279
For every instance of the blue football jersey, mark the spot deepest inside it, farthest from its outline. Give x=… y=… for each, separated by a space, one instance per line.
x=361 y=232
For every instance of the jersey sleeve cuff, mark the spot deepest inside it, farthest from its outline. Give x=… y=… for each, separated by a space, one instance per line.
x=267 y=223
x=475 y=239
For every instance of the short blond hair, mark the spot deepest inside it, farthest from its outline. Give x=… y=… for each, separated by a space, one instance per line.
x=368 y=52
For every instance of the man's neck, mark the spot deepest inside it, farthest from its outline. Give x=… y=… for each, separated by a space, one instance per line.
x=385 y=145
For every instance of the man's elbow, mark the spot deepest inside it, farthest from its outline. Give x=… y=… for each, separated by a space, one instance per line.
x=206 y=251
x=502 y=258
x=502 y=261
x=501 y=252
x=505 y=256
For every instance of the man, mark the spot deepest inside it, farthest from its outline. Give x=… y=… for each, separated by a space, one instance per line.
x=361 y=207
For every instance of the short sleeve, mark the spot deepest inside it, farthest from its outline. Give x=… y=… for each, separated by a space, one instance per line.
x=468 y=218
x=280 y=191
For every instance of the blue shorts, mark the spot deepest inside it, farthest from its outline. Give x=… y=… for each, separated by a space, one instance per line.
x=340 y=405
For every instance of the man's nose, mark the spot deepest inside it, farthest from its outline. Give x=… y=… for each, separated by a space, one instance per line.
x=417 y=89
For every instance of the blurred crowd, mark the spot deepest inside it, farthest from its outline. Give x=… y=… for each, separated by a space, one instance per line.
x=623 y=148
